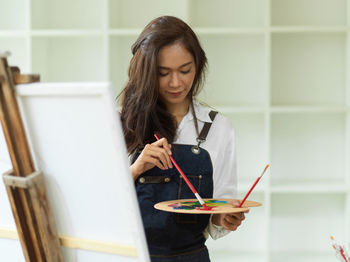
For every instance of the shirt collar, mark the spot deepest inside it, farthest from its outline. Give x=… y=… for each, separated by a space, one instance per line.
x=202 y=113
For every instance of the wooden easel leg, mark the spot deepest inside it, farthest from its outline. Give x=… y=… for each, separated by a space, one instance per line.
x=31 y=251
x=46 y=246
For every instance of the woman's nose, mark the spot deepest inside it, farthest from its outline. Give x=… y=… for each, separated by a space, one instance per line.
x=174 y=80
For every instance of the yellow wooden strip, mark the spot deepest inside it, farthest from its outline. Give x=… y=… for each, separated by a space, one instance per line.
x=86 y=244
x=8 y=233
x=98 y=246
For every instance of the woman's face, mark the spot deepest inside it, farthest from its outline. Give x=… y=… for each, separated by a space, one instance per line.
x=176 y=74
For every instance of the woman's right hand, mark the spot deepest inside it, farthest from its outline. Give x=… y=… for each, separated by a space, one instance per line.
x=155 y=154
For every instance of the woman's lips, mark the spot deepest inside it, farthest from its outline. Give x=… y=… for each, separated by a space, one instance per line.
x=176 y=94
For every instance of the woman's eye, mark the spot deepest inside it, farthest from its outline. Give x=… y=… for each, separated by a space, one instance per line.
x=163 y=74
x=186 y=72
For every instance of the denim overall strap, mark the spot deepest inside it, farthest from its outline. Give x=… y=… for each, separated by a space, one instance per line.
x=204 y=132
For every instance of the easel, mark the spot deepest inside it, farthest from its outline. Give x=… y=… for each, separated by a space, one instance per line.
x=25 y=186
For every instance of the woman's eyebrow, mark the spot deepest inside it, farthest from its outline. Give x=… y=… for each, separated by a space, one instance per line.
x=167 y=68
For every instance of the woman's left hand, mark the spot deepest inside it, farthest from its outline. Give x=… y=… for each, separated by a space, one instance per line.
x=229 y=221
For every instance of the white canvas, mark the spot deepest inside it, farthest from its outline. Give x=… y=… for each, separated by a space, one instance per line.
x=77 y=142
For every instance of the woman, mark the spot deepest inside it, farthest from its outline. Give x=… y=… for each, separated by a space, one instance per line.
x=165 y=75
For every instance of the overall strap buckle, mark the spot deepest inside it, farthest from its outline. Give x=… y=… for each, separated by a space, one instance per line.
x=204 y=132
x=195 y=149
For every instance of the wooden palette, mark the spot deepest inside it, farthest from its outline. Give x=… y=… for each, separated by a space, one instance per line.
x=191 y=206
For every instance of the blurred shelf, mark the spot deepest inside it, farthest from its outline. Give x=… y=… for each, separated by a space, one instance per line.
x=228 y=13
x=238 y=255
x=66 y=32
x=13 y=33
x=229 y=31
x=281 y=109
x=309 y=109
x=309 y=29
x=311 y=12
x=307 y=256
x=242 y=109
x=124 y=32
x=310 y=188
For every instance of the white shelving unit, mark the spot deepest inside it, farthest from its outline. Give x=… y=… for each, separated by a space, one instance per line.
x=278 y=69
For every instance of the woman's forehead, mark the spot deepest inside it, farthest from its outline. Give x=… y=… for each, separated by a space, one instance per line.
x=174 y=56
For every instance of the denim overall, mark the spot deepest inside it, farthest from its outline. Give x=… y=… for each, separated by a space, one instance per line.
x=173 y=236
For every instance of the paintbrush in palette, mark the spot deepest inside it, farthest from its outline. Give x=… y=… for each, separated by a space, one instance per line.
x=251 y=189
x=204 y=206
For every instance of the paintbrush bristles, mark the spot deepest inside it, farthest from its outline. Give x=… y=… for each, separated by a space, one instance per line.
x=266 y=167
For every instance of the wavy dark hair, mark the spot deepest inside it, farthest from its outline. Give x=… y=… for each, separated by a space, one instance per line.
x=142 y=112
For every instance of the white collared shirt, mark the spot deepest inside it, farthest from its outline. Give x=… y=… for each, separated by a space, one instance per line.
x=220 y=144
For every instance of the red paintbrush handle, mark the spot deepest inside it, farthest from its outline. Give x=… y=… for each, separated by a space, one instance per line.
x=251 y=189
x=342 y=254
x=183 y=175
x=180 y=171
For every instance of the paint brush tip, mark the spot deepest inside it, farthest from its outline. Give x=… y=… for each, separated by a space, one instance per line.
x=266 y=167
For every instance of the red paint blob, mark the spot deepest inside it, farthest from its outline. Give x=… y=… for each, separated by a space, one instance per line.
x=204 y=207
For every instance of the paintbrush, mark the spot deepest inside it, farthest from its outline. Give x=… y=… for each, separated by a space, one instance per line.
x=204 y=206
x=251 y=189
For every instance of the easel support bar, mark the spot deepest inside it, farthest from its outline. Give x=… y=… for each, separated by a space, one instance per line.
x=21 y=182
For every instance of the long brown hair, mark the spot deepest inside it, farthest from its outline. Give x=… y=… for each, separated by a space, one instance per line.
x=142 y=112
